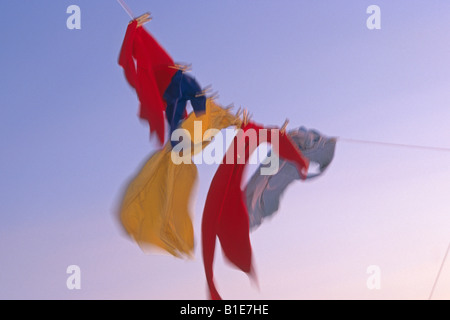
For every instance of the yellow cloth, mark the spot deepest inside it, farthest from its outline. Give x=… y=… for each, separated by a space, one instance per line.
x=155 y=207
x=215 y=117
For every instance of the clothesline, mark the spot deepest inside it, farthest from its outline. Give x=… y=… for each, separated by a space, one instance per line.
x=392 y=144
x=126 y=8
x=439 y=272
x=409 y=146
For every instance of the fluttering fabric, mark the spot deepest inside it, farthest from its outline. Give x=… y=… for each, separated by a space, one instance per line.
x=148 y=69
x=264 y=192
x=183 y=88
x=151 y=198
x=225 y=214
x=155 y=209
x=161 y=88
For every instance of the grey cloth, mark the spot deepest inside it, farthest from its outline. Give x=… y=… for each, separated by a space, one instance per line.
x=263 y=192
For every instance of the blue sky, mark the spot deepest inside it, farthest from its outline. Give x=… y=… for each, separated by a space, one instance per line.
x=71 y=139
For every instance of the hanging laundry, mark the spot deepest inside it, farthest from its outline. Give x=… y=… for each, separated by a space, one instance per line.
x=148 y=199
x=225 y=215
x=155 y=206
x=263 y=192
x=157 y=81
x=183 y=88
x=147 y=69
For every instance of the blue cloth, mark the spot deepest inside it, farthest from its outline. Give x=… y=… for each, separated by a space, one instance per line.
x=182 y=88
x=263 y=192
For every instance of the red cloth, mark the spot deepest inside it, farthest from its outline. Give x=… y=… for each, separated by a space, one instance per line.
x=225 y=214
x=146 y=66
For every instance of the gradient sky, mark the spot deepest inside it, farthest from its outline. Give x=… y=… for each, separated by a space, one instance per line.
x=71 y=139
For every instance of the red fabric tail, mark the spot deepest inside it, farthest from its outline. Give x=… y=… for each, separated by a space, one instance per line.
x=147 y=69
x=225 y=215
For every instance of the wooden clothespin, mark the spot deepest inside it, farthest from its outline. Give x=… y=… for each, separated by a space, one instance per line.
x=229 y=107
x=214 y=96
x=204 y=91
x=284 y=126
x=237 y=118
x=245 y=117
x=143 y=19
x=183 y=67
x=238 y=112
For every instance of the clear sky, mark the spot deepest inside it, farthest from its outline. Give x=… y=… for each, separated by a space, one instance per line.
x=70 y=140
